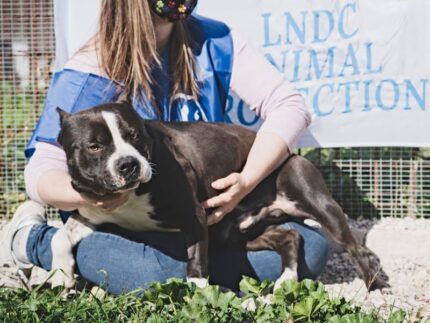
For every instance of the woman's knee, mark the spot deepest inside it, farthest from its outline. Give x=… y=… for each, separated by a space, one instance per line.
x=122 y=265
x=313 y=254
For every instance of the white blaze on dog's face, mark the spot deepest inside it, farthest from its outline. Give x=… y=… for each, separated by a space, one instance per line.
x=107 y=149
x=125 y=163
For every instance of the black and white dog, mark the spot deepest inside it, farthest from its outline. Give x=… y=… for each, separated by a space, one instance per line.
x=169 y=167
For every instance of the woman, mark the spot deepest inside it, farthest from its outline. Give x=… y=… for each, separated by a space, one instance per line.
x=174 y=67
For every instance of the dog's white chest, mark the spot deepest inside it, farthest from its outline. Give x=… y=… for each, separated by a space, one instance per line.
x=134 y=215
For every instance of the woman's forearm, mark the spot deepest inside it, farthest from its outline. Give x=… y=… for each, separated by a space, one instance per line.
x=47 y=180
x=268 y=152
x=61 y=194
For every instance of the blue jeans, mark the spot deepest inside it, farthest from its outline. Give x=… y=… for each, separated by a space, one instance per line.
x=122 y=264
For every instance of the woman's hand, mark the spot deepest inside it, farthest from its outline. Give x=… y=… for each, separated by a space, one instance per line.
x=235 y=187
x=267 y=153
x=108 y=203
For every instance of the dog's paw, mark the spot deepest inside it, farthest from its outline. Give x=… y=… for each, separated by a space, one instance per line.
x=63 y=272
x=288 y=274
x=246 y=224
x=313 y=224
x=249 y=305
x=200 y=282
x=61 y=278
x=378 y=283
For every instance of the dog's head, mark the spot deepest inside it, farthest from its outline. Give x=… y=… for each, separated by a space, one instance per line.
x=107 y=149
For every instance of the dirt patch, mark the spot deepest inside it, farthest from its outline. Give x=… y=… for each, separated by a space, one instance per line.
x=403 y=248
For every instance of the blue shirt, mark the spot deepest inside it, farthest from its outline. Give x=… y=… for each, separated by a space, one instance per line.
x=212 y=46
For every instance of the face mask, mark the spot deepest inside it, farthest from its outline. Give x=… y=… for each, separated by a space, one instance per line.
x=173 y=10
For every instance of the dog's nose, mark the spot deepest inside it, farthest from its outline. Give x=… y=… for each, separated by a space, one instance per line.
x=127 y=166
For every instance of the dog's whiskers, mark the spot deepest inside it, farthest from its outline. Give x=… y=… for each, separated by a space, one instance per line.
x=152 y=165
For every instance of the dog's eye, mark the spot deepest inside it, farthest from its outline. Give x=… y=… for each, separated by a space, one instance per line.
x=133 y=135
x=95 y=147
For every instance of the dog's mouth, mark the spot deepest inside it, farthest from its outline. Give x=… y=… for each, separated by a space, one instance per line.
x=120 y=185
x=107 y=189
x=127 y=187
x=107 y=184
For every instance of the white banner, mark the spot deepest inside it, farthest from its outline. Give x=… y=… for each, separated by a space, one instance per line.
x=75 y=22
x=362 y=65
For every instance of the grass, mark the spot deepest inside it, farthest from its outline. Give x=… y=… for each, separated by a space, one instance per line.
x=177 y=301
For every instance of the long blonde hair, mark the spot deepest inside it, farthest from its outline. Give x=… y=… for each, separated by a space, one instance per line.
x=128 y=50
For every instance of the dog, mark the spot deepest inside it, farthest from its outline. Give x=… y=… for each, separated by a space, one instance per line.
x=169 y=167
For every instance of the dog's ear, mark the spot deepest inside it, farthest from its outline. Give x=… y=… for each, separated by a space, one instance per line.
x=123 y=97
x=63 y=115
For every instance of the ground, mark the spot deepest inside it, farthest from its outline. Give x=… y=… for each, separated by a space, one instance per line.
x=402 y=246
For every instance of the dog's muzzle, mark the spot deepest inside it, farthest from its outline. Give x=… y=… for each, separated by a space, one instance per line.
x=128 y=168
x=130 y=171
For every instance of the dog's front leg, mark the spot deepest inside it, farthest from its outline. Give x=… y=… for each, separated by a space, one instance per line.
x=62 y=244
x=196 y=236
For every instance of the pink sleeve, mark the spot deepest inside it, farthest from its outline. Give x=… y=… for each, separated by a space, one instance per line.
x=86 y=60
x=45 y=158
x=264 y=89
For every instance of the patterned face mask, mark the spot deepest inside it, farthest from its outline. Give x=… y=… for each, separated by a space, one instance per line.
x=173 y=10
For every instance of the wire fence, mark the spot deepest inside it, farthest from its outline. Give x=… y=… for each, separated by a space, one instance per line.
x=372 y=182
x=377 y=182
x=26 y=55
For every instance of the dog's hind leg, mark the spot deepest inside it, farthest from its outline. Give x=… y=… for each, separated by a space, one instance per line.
x=64 y=240
x=302 y=183
x=267 y=214
x=336 y=225
x=286 y=244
